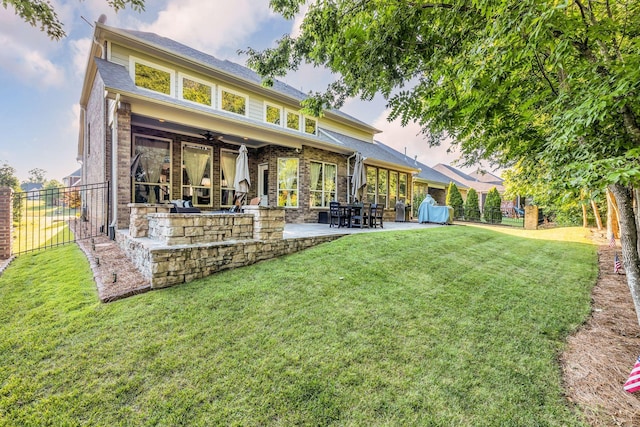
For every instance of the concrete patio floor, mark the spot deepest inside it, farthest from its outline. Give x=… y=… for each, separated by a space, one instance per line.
x=292 y=231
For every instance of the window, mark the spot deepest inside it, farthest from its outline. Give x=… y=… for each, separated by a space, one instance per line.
x=382 y=187
x=233 y=102
x=322 y=184
x=393 y=188
x=288 y=182
x=196 y=174
x=371 y=184
x=152 y=170
x=402 y=188
x=227 y=176
x=152 y=77
x=273 y=114
x=195 y=90
x=293 y=120
x=310 y=125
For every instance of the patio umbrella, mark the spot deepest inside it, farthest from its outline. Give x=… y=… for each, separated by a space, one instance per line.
x=242 y=182
x=359 y=178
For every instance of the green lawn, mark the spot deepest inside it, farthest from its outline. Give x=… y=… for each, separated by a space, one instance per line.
x=447 y=326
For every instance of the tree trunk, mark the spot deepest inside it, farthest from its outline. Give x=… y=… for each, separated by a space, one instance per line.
x=585 y=218
x=613 y=217
x=596 y=214
x=629 y=241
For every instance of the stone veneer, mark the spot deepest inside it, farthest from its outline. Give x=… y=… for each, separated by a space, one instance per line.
x=165 y=259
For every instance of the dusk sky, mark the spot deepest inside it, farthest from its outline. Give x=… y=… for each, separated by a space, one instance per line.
x=41 y=79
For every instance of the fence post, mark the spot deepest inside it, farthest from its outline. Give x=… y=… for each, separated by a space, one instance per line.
x=6 y=221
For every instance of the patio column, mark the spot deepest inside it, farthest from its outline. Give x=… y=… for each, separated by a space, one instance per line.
x=268 y=221
x=6 y=221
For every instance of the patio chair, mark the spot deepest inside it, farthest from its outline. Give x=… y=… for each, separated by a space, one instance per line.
x=337 y=215
x=375 y=215
x=356 y=218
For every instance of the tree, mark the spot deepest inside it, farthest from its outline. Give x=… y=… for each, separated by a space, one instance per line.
x=472 y=206
x=454 y=199
x=41 y=13
x=491 y=209
x=37 y=175
x=509 y=81
x=52 y=193
x=8 y=177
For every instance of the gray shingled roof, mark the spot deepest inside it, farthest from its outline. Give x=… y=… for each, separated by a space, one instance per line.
x=224 y=66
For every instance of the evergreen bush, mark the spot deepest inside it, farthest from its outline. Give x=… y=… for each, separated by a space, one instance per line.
x=454 y=199
x=491 y=210
x=471 y=206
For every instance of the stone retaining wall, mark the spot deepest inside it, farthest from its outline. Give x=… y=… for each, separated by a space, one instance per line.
x=189 y=229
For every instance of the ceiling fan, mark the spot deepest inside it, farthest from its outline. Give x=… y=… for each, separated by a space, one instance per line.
x=209 y=136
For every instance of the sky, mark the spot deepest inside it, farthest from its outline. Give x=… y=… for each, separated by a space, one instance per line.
x=41 y=79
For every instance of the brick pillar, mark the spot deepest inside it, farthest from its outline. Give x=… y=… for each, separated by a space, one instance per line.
x=530 y=217
x=6 y=221
x=124 y=162
x=268 y=222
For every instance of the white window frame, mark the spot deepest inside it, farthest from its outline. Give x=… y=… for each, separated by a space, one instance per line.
x=229 y=184
x=206 y=148
x=285 y=122
x=234 y=92
x=323 y=189
x=182 y=76
x=172 y=74
x=297 y=189
x=170 y=183
x=279 y=107
x=304 y=125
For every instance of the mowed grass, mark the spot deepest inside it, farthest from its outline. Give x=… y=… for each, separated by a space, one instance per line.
x=447 y=326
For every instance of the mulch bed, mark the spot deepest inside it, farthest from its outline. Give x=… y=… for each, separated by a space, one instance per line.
x=601 y=354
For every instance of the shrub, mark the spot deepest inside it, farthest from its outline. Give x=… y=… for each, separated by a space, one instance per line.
x=454 y=199
x=492 y=212
x=471 y=206
x=417 y=199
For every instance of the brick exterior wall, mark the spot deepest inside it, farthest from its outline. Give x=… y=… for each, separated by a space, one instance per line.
x=6 y=221
x=124 y=161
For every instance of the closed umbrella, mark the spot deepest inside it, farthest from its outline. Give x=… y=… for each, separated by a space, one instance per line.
x=242 y=182
x=359 y=178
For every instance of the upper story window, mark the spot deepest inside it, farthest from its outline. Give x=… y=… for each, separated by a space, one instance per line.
x=273 y=114
x=293 y=120
x=233 y=102
x=152 y=76
x=310 y=125
x=195 y=90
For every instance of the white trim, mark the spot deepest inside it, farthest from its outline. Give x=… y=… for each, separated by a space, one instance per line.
x=172 y=74
x=233 y=92
x=212 y=86
x=323 y=191
x=261 y=168
x=133 y=178
x=264 y=113
x=203 y=147
x=229 y=185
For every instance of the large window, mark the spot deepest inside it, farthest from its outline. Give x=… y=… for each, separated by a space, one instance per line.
x=273 y=114
x=233 y=102
x=196 y=174
x=153 y=77
x=288 y=182
x=393 y=188
x=323 y=184
x=386 y=187
x=227 y=176
x=371 y=184
x=196 y=90
x=402 y=188
x=152 y=170
x=382 y=187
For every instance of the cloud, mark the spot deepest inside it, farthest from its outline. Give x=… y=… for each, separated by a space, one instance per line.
x=210 y=26
x=80 y=55
x=26 y=53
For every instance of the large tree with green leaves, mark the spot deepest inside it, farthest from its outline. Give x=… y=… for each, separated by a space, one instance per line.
x=533 y=81
x=41 y=13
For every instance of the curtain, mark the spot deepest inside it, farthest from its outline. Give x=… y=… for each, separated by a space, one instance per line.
x=152 y=159
x=195 y=163
x=228 y=165
x=316 y=168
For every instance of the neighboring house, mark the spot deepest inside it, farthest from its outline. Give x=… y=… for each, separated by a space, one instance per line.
x=32 y=189
x=162 y=121
x=480 y=181
x=73 y=179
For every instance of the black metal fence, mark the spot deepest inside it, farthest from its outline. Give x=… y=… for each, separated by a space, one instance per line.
x=511 y=217
x=56 y=216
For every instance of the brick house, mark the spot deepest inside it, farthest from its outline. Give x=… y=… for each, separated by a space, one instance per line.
x=162 y=121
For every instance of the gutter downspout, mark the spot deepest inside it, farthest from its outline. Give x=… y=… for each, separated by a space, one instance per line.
x=349 y=177
x=114 y=169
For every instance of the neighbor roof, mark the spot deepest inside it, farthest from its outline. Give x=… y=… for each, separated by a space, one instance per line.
x=470 y=181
